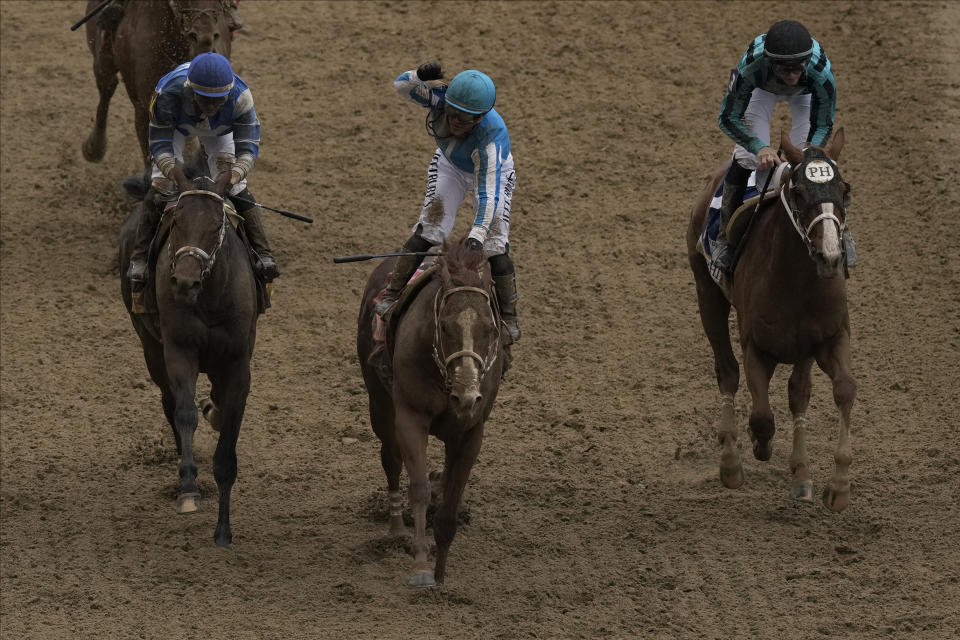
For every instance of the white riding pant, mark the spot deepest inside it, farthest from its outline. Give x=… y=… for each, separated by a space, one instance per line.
x=221 y=153
x=447 y=187
x=758 y=115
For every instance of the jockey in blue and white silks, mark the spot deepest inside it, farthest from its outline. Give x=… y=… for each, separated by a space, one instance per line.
x=473 y=153
x=783 y=64
x=231 y=135
x=206 y=99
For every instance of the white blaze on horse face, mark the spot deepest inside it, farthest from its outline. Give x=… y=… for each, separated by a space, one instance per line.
x=819 y=171
x=831 y=237
x=466 y=371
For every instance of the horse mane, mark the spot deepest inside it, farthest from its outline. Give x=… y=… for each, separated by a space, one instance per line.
x=460 y=266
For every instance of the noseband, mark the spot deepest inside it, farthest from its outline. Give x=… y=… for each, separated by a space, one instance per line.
x=206 y=259
x=826 y=213
x=443 y=361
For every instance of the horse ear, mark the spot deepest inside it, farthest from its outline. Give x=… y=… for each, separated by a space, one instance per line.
x=794 y=155
x=833 y=149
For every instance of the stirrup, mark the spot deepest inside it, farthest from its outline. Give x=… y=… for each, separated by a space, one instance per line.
x=512 y=328
x=384 y=305
x=137 y=272
x=721 y=254
x=268 y=267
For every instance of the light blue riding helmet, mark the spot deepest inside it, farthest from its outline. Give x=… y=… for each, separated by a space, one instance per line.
x=471 y=91
x=210 y=75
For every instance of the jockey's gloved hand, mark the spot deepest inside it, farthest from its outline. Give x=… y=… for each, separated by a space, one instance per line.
x=474 y=245
x=429 y=71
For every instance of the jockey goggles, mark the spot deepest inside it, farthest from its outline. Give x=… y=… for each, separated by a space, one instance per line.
x=462 y=116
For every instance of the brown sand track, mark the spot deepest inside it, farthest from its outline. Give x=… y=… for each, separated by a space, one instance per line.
x=595 y=508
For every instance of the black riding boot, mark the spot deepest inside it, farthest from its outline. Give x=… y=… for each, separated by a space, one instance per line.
x=402 y=272
x=150 y=212
x=734 y=186
x=505 y=282
x=111 y=15
x=234 y=16
x=250 y=212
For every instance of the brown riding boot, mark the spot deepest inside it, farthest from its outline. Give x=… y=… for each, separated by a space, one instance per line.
x=506 y=286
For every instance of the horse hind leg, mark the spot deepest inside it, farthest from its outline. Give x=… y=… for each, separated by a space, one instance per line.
x=798 y=390
x=210 y=412
x=95 y=146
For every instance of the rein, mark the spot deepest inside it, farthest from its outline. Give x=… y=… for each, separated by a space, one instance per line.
x=442 y=360
x=206 y=260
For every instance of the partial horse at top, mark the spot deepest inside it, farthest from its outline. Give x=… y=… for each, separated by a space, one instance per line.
x=789 y=289
x=142 y=41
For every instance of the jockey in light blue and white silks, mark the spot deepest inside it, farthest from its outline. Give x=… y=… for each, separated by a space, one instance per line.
x=480 y=160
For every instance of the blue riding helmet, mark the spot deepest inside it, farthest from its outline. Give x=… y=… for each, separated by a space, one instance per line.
x=210 y=75
x=471 y=91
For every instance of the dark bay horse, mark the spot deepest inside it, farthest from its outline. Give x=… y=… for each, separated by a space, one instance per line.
x=153 y=37
x=205 y=322
x=447 y=358
x=789 y=291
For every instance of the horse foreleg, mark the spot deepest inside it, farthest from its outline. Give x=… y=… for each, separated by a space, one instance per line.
x=798 y=392
x=230 y=389
x=758 y=369
x=105 y=72
x=836 y=364
x=460 y=457
x=182 y=374
x=412 y=438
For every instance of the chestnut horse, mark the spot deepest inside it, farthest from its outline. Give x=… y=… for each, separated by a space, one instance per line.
x=153 y=37
x=205 y=322
x=789 y=290
x=447 y=358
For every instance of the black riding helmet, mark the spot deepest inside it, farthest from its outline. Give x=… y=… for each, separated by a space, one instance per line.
x=788 y=42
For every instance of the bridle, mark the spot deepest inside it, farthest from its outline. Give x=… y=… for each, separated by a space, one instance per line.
x=443 y=361
x=826 y=207
x=206 y=260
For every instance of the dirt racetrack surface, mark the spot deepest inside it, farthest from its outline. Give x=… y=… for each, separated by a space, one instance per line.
x=595 y=510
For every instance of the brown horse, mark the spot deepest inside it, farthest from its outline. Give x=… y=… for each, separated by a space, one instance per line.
x=447 y=359
x=789 y=291
x=153 y=37
x=205 y=322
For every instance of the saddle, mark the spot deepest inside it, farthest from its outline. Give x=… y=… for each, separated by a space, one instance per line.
x=147 y=301
x=381 y=358
x=739 y=224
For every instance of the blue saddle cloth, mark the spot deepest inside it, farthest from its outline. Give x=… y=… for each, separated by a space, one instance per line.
x=712 y=228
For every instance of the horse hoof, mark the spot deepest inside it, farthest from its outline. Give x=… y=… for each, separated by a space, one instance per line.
x=732 y=478
x=802 y=492
x=93 y=152
x=422 y=579
x=836 y=501
x=209 y=411
x=763 y=450
x=188 y=503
